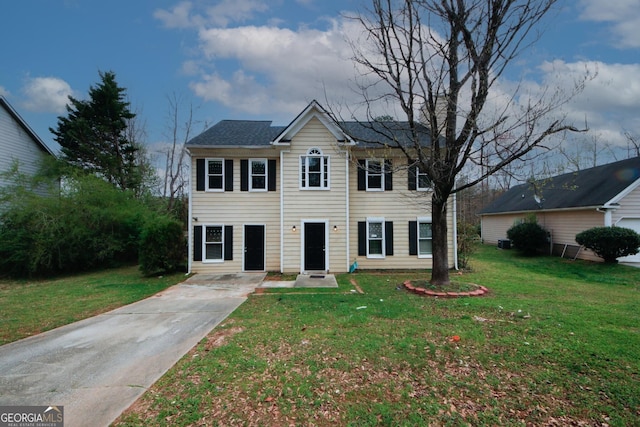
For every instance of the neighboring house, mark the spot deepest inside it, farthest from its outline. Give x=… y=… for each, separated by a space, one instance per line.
x=607 y=195
x=313 y=196
x=18 y=142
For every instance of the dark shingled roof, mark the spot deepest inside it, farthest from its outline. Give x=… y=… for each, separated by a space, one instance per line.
x=589 y=187
x=244 y=133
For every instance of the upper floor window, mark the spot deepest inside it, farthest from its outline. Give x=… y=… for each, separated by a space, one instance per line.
x=258 y=174
x=314 y=170
x=215 y=174
x=423 y=181
x=375 y=175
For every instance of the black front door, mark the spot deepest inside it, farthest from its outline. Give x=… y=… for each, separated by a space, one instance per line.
x=314 y=246
x=254 y=247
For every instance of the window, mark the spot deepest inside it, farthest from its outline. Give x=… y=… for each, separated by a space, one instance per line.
x=423 y=181
x=314 y=170
x=425 y=238
x=215 y=174
x=375 y=175
x=213 y=243
x=258 y=174
x=375 y=238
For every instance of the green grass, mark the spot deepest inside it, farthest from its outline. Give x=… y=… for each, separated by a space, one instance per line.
x=555 y=342
x=31 y=307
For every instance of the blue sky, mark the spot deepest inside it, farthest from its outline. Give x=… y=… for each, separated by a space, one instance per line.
x=266 y=59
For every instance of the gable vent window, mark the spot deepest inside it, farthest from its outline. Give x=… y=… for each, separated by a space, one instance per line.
x=314 y=170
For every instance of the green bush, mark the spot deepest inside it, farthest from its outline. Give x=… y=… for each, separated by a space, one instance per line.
x=84 y=225
x=468 y=237
x=610 y=243
x=163 y=247
x=527 y=237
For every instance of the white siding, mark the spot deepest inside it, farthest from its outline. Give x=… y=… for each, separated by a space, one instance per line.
x=238 y=208
x=563 y=226
x=629 y=207
x=398 y=206
x=17 y=145
x=315 y=205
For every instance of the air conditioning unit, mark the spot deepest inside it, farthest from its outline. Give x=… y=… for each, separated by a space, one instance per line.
x=504 y=244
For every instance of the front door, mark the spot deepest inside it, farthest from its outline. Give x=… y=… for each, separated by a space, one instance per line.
x=314 y=246
x=254 y=247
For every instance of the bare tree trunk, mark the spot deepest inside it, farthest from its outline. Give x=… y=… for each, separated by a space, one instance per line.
x=440 y=269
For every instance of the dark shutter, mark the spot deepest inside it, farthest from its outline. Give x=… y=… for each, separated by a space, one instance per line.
x=388 y=175
x=412 y=177
x=362 y=175
x=388 y=238
x=272 y=175
x=244 y=175
x=228 y=175
x=413 y=237
x=200 y=174
x=197 y=243
x=362 y=238
x=228 y=242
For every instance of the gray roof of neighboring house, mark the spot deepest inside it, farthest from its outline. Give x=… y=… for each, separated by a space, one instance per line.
x=4 y=103
x=585 y=188
x=247 y=133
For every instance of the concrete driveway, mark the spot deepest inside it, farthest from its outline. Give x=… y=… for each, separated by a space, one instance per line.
x=98 y=367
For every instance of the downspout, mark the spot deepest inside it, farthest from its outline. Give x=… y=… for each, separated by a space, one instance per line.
x=190 y=220
x=455 y=232
x=347 y=210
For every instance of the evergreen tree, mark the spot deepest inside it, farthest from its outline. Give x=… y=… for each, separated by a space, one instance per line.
x=94 y=135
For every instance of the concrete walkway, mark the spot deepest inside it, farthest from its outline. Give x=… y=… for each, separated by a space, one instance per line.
x=98 y=367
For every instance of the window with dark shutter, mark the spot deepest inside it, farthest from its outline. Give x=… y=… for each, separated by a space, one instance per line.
x=244 y=175
x=197 y=243
x=412 y=174
x=362 y=175
x=272 y=174
x=388 y=175
x=413 y=237
x=362 y=238
x=228 y=242
x=388 y=238
x=228 y=175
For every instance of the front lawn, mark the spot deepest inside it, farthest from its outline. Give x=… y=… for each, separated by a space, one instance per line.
x=555 y=342
x=29 y=307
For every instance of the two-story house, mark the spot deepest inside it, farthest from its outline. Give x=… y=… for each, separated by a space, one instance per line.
x=313 y=196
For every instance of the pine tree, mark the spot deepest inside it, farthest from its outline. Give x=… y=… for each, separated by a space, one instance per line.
x=93 y=136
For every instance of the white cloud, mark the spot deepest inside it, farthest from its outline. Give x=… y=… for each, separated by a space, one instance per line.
x=274 y=69
x=623 y=15
x=184 y=14
x=47 y=94
x=3 y=91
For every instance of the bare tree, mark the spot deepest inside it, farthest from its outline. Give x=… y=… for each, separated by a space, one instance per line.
x=179 y=127
x=633 y=145
x=442 y=59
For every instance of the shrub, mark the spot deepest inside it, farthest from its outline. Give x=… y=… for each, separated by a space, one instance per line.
x=527 y=237
x=610 y=243
x=163 y=247
x=468 y=237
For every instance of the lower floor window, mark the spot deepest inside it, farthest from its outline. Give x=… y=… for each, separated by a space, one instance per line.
x=375 y=238
x=213 y=243
x=425 y=239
